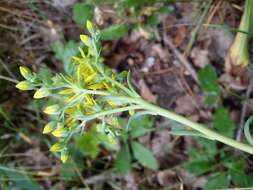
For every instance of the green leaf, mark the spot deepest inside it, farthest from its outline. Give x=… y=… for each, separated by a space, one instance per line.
x=144 y=156
x=123 y=161
x=217 y=182
x=139 y=131
x=144 y=121
x=181 y=130
x=188 y=133
x=210 y=100
x=45 y=74
x=65 y=52
x=153 y=20
x=20 y=178
x=223 y=123
x=67 y=170
x=82 y=12
x=138 y=3
x=209 y=81
x=201 y=159
x=237 y=172
x=210 y=147
x=199 y=166
x=113 y=32
x=88 y=144
x=166 y=9
x=242 y=179
x=141 y=125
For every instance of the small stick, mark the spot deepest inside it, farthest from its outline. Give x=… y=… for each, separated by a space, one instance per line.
x=180 y=57
x=244 y=109
x=100 y=178
x=196 y=30
x=9 y=79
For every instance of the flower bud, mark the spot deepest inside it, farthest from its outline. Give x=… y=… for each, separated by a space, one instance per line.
x=64 y=155
x=56 y=148
x=24 y=85
x=90 y=26
x=49 y=127
x=52 y=110
x=111 y=139
x=66 y=91
x=26 y=72
x=60 y=131
x=86 y=40
x=41 y=93
x=131 y=112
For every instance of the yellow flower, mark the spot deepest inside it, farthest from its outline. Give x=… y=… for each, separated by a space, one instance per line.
x=24 y=85
x=89 y=100
x=85 y=72
x=41 y=93
x=111 y=139
x=81 y=52
x=106 y=86
x=66 y=91
x=91 y=51
x=90 y=78
x=131 y=112
x=78 y=59
x=56 y=148
x=97 y=86
x=89 y=26
x=25 y=72
x=64 y=156
x=51 y=110
x=60 y=131
x=49 y=127
x=71 y=98
x=86 y=40
x=70 y=122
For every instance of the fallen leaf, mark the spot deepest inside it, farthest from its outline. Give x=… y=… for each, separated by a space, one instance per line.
x=180 y=36
x=145 y=92
x=200 y=57
x=185 y=105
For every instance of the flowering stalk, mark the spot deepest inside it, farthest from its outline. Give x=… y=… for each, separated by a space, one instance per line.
x=238 y=58
x=95 y=93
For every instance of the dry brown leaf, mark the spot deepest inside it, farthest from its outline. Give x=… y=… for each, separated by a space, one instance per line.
x=200 y=57
x=145 y=92
x=180 y=36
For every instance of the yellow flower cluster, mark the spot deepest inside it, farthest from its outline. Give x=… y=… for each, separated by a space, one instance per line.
x=81 y=95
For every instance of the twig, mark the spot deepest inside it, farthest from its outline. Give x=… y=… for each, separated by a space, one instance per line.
x=9 y=79
x=196 y=30
x=7 y=69
x=180 y=57
x=244 y=108
x=8 y=27
x=81 y=177
x=101 y=178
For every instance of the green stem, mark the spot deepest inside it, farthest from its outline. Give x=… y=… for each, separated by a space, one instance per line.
x=109 y=112
x=9 y=79
x=119 y=85
x=196 y=126
x=239 y=51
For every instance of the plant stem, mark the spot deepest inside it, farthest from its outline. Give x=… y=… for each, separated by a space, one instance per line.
x=238 y=57
x=108 y=112
x=9 y=79
x=196 y=126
